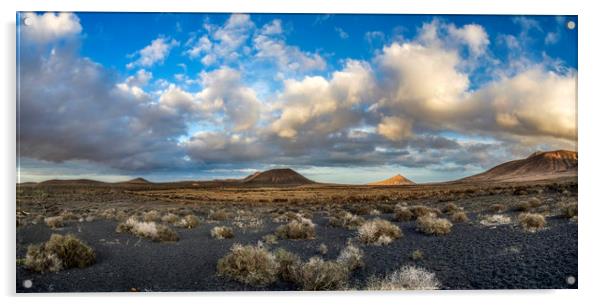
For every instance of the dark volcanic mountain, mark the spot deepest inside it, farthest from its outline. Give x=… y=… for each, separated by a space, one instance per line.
x=539 y=165
x=138 y=180
x=395 y=180
x=279 y=176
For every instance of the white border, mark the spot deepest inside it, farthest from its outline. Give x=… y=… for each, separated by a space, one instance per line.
x=589 y=137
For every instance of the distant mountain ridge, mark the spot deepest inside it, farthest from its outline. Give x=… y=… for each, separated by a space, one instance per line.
x=395 y=180
x=539 y=165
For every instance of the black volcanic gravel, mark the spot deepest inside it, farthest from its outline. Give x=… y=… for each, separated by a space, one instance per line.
x=470 y=257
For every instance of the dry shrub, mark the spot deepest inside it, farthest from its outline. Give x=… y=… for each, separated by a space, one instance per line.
x=374 y=212
x=352 y=257
x=297 y=229
x=170 y=218
x=151 y=215
x=150 y=230
x=406 y=278
x=54 y=222
x=386 y=208
x=379 y=232
x=220 y=215
x=346 y=220
x=361 y=209
x=459 y=217
x=189 y=221
x=531 y=221
x=247 y=222
x=403 y=214
x=570 y=210
x=249 y=264
x=417 y=255
x=495 y=220
x=433 y=226
x=270 y=239
x=288 y=263
x=497 y=208
x=535 y=202
x=59 y=252
x=323 y=249
x=420 y=210
x=451 y=208
x=318 y=274
x=222 y=232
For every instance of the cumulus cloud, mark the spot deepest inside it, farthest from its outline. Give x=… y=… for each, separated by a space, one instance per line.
x=319 y=106
x=49 y=27
x=224 y=91
x=217 y=148
x=473 y=35
x=394 y=128
x=270 y=45
x=155 y=52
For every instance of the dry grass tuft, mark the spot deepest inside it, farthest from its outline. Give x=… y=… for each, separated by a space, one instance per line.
x=406 y=278
x=451 y=208
x=318 y=274
x=403 y=214
x=249 y=264
x=458 y=217
x=570 y=210
x=58 y=253
x=352 y=257
x=495 y=220
x=379 y=232
x=270 y=239
x=497 y=208
x=54 y=222
x=170 y=218
x=531 y=222
x=189 y=221
x=150 y=230
x=220 y=215
x=297 y=229
x=417 y=255
x=433 y=226
x=222 y=232
x=288 y=264
x=151 y=215
x=323 y=249
x=346 y=220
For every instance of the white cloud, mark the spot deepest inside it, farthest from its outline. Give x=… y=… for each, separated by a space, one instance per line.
x=49 y=27
x=223 y=90
x=287 y=57
x=473 y=35
x=320 y=106
x=341 y=32
x=394 y=128
x=154 y=53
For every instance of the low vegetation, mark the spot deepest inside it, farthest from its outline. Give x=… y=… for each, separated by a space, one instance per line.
x=220 y=215
x=352 y=257
x=378 y=232
x=346 y=220
x=252 y=265
x=495 y=220
x=318 y=274
x=406 y=278
x=288 y=263
x=222 y=232
x=189 y=221
x=417 y=255
x=433 y=226
x=151 y=215
x=497 y=208
x=149 y=230
x=170 y=218
x=58 y=253
x=570 y=210
x=54 y=222
x=297 y=229
x=531 y=222
x=458 y=217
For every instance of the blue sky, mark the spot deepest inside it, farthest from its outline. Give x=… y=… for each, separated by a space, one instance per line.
x=340 y=98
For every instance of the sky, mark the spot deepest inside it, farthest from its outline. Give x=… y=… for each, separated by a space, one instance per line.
x=339 y=98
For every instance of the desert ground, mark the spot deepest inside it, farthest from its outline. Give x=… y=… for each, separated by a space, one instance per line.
x=460 y=235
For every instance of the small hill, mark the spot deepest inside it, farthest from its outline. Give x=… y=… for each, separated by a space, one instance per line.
x=279 y=176
x=395 y=180
x=71 y=182
x=538 y=166
x=138 y=180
